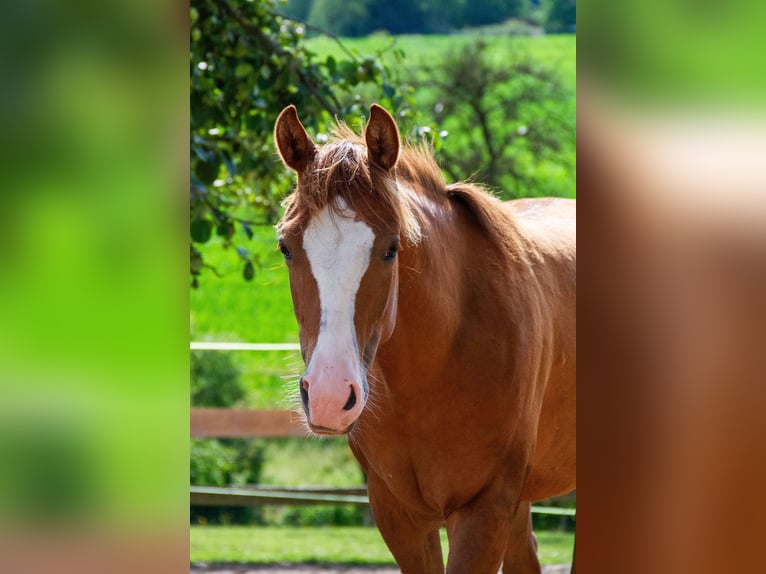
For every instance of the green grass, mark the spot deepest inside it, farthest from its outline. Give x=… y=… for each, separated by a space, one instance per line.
x=558 y=52
x=228 y=308
x=310 y=462
x=342 y=545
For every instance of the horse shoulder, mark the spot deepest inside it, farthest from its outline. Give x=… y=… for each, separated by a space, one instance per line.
x=549 y=223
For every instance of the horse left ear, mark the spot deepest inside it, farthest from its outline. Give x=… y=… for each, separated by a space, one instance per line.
x=293 y=142
x=382 y=138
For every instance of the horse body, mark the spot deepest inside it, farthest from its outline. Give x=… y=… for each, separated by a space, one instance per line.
x=462 y=409
x=453 y=426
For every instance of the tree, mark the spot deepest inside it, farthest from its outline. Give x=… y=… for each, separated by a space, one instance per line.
x=514 y=119
x=297 y=9
x=341 y=17
x=481 y=12
x=562 y=17
x=246 y=64
x=397 y=16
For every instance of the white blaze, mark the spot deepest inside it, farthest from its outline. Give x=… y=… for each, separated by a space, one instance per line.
x=338 y=249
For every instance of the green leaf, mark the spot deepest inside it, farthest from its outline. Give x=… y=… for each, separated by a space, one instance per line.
x=248 y=272
x=332 y=65
x=225 y=229
x=243 y=70
x=207 y=171
x=201 y=229
x=230 y=167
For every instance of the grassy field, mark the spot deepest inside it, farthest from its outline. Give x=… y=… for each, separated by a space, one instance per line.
x=540 y=170
x=341 y=545
x=558 y=52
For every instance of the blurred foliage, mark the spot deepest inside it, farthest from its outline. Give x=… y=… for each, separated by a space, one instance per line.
x=363 y=17
x=234 y=462
x=514 y=117
x=683 y=54
x=225 y=462
x=247 y=63
x=215 y=380
x=325 y=514
x=561 y=16
x=93 y=371
x=49 y=471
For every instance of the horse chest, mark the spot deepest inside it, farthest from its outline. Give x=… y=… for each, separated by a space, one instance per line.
x=433 y=473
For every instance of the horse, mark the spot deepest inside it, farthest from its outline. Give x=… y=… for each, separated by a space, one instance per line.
x=437 y=326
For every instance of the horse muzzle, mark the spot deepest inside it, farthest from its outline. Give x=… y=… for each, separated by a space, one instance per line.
x=332 y=405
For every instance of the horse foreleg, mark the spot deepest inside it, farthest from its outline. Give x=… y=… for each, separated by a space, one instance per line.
x=521 y=553
x=478 y=535
x=414 y=542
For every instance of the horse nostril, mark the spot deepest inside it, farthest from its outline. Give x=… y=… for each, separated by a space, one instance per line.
x=351 y=400
x=304 y=388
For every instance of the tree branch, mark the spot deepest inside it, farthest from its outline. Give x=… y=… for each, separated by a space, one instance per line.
x=333 y=107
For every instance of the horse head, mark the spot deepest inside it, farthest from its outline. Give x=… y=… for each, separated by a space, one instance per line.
x=340 y=237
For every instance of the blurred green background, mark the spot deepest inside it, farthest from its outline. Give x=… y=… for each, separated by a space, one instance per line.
x=93 y=293
x=94 y=275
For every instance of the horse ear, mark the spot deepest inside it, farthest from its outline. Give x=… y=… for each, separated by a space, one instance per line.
x=295 y=146
x=382 y=138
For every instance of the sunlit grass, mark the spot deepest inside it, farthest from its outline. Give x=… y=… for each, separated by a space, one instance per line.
x=557 y=51
x=342 y=545
x=227 y=308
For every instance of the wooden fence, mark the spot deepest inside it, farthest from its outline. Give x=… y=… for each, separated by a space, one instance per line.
x=245 y=423
x=261 y=423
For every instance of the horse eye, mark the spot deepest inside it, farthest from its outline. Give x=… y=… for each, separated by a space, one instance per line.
x=392 y=251
x=285 y=251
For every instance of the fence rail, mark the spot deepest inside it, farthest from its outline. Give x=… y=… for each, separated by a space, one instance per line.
x=216 y=346
x=245 y=423
x=254 y=496
x=240 y=496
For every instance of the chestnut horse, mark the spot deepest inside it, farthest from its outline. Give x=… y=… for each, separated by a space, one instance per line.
x=438 y=329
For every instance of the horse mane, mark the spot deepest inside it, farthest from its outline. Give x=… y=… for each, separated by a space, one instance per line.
x=418 y=166
x=340 y=169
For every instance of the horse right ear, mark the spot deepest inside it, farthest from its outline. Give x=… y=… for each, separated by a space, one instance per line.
x=293 y=142
x=382 y=138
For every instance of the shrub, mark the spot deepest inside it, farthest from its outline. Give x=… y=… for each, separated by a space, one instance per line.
x=214 y=380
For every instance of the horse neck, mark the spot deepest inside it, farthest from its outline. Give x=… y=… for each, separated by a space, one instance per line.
x=432 y=297
x=457 y=295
